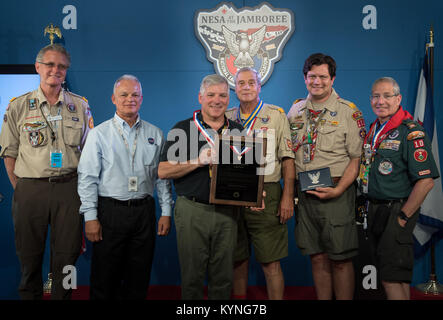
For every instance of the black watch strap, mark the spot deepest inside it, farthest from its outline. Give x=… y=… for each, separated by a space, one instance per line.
x=403 y=216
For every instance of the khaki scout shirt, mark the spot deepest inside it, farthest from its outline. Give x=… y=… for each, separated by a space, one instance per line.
x=273 y=124
x=340 y=134
x=26 y=135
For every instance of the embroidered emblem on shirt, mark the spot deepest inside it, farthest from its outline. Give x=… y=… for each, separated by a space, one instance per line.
x=362 y=133
x=34 y=126
x=420 y=155
x=32 y=104
x=71 y=107
x=424 y=172
x=415 y=135
x=394 y=134
x=390 y=145
x=419 y=143
x=151 y=140
x=265 y=120
x=385 y=167
x=357 y=115
x=36 y=138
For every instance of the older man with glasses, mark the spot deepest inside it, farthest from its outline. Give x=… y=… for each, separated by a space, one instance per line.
x=396 y=173
x=42 y=137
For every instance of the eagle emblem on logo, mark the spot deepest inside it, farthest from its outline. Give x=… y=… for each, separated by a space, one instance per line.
x=249 y=37
x=315 y=177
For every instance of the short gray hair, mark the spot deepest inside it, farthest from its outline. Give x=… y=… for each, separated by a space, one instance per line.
x=53 y=47
x=210 y=80
x=244 y=69
x=127 y=77
x=396 y=87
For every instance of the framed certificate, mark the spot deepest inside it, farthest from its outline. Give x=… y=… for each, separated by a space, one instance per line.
x=237 y=178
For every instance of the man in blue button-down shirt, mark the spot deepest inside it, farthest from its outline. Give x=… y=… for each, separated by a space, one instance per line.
x=117 y=174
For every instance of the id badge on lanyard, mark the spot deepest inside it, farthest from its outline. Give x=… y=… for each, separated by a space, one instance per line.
x=56 y=158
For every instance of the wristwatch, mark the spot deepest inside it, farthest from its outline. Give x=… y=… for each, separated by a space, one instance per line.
x=403 y=216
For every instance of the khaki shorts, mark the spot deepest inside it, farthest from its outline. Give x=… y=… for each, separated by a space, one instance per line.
x=263 y=230
x=327 y=226
x=394 y=250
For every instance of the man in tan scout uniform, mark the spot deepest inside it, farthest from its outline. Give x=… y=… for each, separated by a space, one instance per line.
x=266 y=229
x=327 y=131
x=42 y=136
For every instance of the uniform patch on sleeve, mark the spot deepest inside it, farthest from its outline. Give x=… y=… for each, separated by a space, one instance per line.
x=419 y=143
x=357 y=115
x=424 y=172
x=362 y=133
x=420 y=155
x=416 y=135
x=360 y=123
x=289 y=144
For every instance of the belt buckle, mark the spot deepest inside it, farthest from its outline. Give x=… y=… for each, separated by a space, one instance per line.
x=52 y=179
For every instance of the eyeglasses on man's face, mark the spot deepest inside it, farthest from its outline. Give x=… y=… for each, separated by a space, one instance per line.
x=53 y=65
x=376 y=97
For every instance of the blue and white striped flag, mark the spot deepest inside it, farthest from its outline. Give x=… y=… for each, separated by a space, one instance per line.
x=429 y=226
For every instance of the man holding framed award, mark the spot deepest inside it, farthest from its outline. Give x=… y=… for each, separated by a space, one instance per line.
x=206 y=233
x=266 y=229
x=326 y=133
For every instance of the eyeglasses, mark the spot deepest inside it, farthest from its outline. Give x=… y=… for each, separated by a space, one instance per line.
x=53 y=65
x=376 y=97
x=313 y=77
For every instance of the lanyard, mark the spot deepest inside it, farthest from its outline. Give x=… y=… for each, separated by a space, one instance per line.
x=126 y=142
x=52 y=120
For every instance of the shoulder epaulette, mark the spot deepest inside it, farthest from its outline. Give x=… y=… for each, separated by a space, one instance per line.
x=24 y=94
x=298 y=100
x=78 y=96
x=412 y=124
x=349 y=104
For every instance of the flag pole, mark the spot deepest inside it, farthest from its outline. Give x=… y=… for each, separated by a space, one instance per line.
x=432 y=286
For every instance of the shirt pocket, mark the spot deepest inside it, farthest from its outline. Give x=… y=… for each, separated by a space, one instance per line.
x=150 y=154
x=72 y=132
x=36 y=134
x=327 y=138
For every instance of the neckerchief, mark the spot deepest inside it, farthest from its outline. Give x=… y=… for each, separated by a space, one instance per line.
x=373 y=140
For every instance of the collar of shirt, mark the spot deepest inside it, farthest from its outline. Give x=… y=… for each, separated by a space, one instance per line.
x=124 y=125
x=330 y=104
x=206 y=126
x=42 y=98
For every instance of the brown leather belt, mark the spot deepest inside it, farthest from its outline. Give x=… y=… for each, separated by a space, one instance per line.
x=335 y=180
x=58 y=179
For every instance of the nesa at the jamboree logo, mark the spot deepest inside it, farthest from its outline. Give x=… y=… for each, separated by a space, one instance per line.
x=249 y=37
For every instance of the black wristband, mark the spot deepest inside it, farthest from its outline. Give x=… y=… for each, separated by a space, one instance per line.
x=403 y=216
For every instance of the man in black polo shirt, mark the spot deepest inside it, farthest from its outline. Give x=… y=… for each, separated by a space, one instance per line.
x=206 y=234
